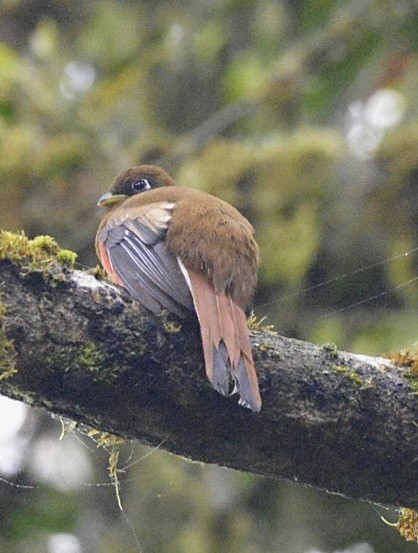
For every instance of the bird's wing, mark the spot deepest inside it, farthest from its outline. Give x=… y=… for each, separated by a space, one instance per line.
x=133 y=252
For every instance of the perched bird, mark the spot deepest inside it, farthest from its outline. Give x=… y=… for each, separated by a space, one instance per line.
x=181 y=249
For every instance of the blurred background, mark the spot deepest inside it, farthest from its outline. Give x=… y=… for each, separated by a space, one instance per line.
x=304 y=115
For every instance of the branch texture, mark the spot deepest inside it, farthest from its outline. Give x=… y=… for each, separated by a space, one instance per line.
x=83 y=349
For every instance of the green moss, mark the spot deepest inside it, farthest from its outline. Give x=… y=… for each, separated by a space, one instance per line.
x=257 y=324
x=7 y=350
x=406 y=358
x=40 y=254
x=352 y=375
x=407 y=524
x=172 y=327
x=264 y=346
x=98 y=272
x=27 y=397
x=67 y=257
x=84 y=358
x=330 y=350
x=91 y=357
x=267 y=348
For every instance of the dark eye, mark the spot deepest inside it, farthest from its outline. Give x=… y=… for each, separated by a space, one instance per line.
x=141 y=185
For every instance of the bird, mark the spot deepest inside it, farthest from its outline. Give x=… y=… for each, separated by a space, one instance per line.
x=180 y=249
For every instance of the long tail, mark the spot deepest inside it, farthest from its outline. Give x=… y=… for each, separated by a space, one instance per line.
x=226 y=343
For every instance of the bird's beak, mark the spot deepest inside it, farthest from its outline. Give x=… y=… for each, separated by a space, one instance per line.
x=110 y=199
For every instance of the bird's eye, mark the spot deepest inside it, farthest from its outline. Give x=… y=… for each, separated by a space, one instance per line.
x=141 y=185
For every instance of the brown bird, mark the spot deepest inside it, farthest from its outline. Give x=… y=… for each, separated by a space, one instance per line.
x=181 y=249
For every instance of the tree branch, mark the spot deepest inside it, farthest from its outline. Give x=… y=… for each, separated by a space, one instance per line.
x=83 y=349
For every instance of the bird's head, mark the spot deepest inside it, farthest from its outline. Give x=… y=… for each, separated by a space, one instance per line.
x=135 y=181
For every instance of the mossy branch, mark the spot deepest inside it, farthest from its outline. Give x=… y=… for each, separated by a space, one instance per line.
x=80 y=347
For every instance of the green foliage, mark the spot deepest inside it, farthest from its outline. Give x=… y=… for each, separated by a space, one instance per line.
x=51 y=514
x=7 y=349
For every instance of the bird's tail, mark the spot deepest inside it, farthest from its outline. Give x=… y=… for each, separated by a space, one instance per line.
x=226 y=343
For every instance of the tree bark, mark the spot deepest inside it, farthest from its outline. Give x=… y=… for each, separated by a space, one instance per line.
x=334 y=420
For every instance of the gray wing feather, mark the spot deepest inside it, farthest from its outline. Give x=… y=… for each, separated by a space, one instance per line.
x=147 y=270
